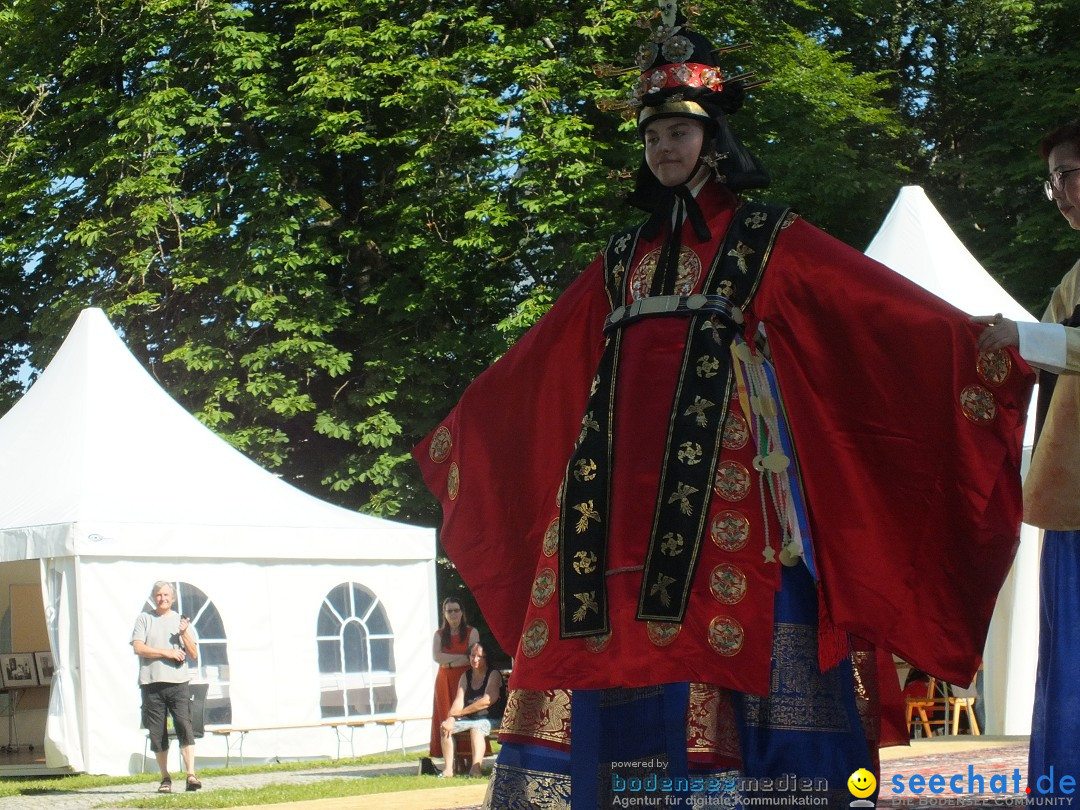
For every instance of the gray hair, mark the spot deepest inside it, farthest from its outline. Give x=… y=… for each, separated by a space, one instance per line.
x=161 y=583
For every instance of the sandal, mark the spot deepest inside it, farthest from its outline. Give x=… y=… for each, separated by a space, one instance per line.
x=165 y=786
x=193 y=783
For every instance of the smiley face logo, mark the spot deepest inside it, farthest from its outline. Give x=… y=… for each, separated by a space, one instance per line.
x=861 y=783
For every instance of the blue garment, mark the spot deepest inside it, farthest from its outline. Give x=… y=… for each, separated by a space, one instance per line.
x=1055 y=743
x=625 y=742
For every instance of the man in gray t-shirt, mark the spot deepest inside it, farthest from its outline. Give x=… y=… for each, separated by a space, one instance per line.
x=164 y=641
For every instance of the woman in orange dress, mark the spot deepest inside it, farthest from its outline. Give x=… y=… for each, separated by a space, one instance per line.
x=448 y=648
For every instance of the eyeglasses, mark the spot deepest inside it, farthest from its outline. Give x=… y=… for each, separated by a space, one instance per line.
x=1056 y=182
x=452 y=610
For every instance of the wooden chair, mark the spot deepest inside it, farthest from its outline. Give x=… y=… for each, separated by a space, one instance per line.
x=963 y=699
x=921 y=704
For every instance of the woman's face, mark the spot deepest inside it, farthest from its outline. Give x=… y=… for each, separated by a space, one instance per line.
x=477 y=659
x=452 y=613
x=1063 y=157
x=672 y=148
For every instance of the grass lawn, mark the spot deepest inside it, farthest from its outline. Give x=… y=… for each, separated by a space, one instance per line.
x=331 y=787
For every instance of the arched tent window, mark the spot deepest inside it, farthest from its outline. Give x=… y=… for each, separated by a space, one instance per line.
x=356 y=654
x=212 y=668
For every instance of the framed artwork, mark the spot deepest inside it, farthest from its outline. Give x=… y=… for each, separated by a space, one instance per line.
x=18 y=670
x=45 y=667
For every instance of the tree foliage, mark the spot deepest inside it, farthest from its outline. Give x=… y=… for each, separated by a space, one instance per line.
x=316 y=220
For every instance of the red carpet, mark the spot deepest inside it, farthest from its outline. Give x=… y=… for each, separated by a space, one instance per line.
x=984 y=777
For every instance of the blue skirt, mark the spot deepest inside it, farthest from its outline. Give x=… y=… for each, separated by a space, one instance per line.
x=1055 y=741
x=599 y=747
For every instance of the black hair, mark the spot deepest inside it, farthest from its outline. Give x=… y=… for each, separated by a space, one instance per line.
x=463 y=630
x=1066 y=133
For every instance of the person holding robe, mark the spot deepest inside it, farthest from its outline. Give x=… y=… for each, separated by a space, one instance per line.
x=1052 y=486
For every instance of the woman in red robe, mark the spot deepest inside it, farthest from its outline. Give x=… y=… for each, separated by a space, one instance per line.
x=698 y=498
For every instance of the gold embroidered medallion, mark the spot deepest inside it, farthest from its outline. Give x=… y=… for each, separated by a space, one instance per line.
x=994 y=367
x=726 y=635
x=673 y=544
x=756 y=220
x=730 y=530
x=596 y=644
x=535 y=638
x=690 y=453
x=736 y=432
x=687 y=275
x=707 y=367
x=978 y=404
x=551 y=538
x=585 y=469
x=543 y=587
x=585 y=562
x=732 y=481
x=662 y=633
x=727 y=584
x=453 y=481
x=441 y=443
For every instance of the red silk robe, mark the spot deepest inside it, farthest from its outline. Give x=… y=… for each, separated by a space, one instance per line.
x=908 y=445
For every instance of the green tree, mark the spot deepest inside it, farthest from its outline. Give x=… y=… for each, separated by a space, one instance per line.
x=1013 y=83
x=316 y=221
x=976 y=83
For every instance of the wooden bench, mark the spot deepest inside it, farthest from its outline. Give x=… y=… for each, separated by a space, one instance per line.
x=463 y=748
x=339 y=725
x=388 y=723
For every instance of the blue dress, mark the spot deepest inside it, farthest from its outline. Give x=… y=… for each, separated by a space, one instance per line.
x=1055 y=742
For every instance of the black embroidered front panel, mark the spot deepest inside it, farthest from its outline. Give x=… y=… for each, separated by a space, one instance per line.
x=693 y=441
x=697 y=418
x=584 y=513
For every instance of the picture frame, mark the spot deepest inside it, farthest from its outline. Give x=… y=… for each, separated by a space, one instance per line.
x=18 y=670
x=45 y=667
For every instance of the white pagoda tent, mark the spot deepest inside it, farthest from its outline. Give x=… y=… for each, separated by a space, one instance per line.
x=305 y=611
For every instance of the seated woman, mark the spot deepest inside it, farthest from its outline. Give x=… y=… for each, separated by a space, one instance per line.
x=477 y=690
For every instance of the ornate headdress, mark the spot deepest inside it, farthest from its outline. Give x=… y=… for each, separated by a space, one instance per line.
x=680 y=77
x=679 y=73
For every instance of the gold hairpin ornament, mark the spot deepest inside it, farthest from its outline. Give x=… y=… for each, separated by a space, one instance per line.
x=731 y=48
x=607 y=70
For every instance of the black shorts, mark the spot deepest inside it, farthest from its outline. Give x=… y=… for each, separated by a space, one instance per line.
x=172 y=698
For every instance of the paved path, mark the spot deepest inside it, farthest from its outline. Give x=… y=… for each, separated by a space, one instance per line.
x=920 y=756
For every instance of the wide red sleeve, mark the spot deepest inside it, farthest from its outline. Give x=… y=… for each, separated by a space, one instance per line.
x=910 y=456
x=496 y=461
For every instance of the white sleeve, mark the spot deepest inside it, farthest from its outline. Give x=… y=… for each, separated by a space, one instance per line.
x=1043 y=345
